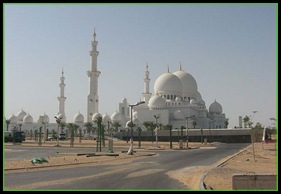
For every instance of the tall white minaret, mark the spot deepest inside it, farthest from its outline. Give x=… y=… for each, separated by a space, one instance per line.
x=93 y=74
x=61 y=98
x=146 y=79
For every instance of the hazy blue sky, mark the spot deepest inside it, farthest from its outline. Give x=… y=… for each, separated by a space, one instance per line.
x=230 y=49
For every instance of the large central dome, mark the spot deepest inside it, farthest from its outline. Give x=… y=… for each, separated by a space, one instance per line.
x=188 y=83
x=168 y=84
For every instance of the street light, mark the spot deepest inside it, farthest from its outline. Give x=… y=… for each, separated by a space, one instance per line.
x=187 y=129
x=110 y=142
x=130 y=151
x=40 y=122
x=58 y=120
x=156 y=130
x=97 y=117
x=252 y=122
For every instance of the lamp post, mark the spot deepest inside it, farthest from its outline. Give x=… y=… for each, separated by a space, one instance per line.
x=108 y=125
x=139 y=135
x=110 y=142
x=40 y=122
x=156 y=130
x=252 y=122
x=130 y=151
x=97 y=117
x=58 y=120
x=186 y=118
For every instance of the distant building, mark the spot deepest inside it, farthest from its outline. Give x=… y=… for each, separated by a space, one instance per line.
x=176 y=101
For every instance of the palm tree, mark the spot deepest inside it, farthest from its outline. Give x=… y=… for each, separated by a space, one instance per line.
x=71 y=128
x=182 y=127
x=194 y=124
x=7 y=123
x=116 y=125
x=169 y=127
x=89 y=126
x=258 y=125
x=246 y=120
x=226 y=123
x=75 y=127
x=150 y=126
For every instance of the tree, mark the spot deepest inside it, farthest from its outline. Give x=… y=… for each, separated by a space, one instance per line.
x=7 y=123
x=226 y=123
x=71 y=128
x=116 y=125
x=89 y=126
x=182 y=127
x=53 y=134
x=258 y=125
x=194 y=124
x=246 y=120
x=150 y=126
x=169 y=127
x=31 y=134
x=75 y=127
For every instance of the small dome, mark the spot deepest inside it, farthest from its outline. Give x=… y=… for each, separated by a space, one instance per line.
x=169 y=84
x=13 y=119
x=193 y=102
x=178 y=115
x=116 y=117
x=202 y=102
x=27 y=119
x=215 y=107
x=78 y=118
x=46 y=118
x=20 y=115
x=106 y=118
x=43 y=118
x=96 y=116
x=156 y=102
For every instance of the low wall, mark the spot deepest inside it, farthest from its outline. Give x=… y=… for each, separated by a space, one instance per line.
x=251 y=181
x=194 y=135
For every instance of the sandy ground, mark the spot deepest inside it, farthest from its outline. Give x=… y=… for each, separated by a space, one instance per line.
x=217 y=178
x=262 y=161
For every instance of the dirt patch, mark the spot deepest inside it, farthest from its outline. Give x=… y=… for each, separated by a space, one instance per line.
x=262 y=160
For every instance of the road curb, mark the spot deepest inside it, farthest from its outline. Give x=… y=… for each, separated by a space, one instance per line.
x=202 y=184
x=110 y=159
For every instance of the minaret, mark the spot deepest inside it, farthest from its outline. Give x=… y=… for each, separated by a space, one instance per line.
x=61 y=98
x=146 y=79
x=93 y=74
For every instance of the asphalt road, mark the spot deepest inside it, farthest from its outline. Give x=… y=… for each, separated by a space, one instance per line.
x=140 y=174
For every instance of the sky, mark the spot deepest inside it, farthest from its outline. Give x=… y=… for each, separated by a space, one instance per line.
x=230 y=50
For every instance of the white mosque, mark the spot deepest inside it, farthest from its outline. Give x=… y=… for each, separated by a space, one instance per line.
x=175 y=101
